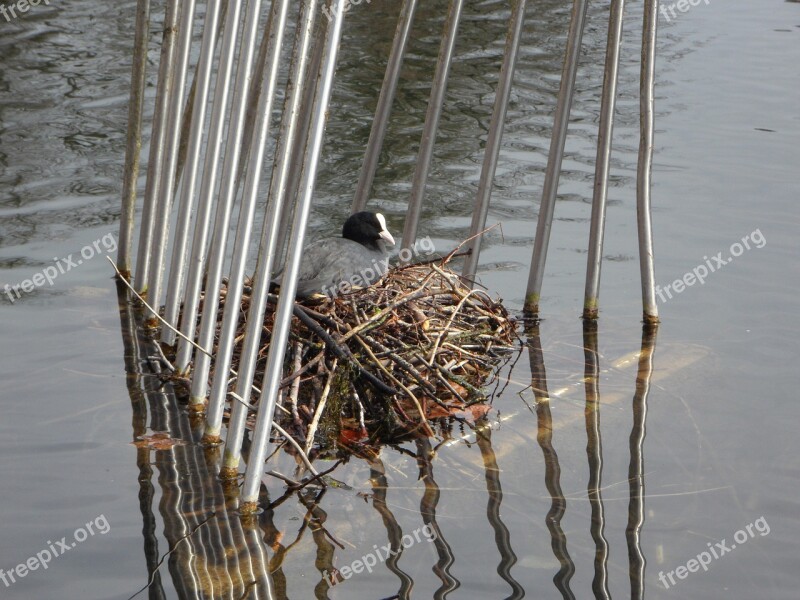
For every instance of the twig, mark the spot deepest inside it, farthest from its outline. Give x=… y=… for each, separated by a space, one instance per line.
x=295 y=389
x=312 y=428
x=447 y=258
x=153 y=311
x=447 y=327
x=423 y=418
x=342 y=351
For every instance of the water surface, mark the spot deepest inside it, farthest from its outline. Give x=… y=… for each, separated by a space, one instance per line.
x=688 y=442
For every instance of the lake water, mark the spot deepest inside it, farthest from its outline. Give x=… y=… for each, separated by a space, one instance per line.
x=653 y=454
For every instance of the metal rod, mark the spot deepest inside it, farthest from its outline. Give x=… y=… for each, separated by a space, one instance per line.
x=559 y=137
x=300 y=78
x=645 y=167
x=157 y=141
x=227 y=195
x=261 y=59
x=494 y=138
x=603 y=162
x=283 y=315
x=219 y=390
x=385 y=99
x=133 y=147
x=187 y=198
x=166 y=187
x=296 y=165
x=194 y=277
x=431 y=123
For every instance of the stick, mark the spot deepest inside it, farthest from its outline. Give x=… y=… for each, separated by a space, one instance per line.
x=312 y=428
x=341 y=351
x=152 y=310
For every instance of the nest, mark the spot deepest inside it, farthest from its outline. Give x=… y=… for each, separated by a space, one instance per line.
x=382 y=363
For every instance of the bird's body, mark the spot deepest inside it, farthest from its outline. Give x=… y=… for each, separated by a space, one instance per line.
x=359 y=258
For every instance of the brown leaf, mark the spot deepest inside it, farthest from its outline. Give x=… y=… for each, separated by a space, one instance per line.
x=158 y=440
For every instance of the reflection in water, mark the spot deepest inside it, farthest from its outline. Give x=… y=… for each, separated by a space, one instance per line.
x=636 y=559
x=502 y=536
x=594 y=452
x=552 y=469
x=315 y=521
x=427 y=509
x=133 y=369
x=212 y=552
x=394 y=532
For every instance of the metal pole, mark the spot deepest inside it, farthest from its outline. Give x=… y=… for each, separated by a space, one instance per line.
x=194 y=278
x=227 y=195
x=230 y=320
x=187 y=199
x=283 y=315
x=431 y=123
x=134 y=144
x=166 y=188
x=157 y=141
x=299 y=144
x=603 y=162
x=302 y=76
x=559 y=137
x=494 y=138
x=384 y=108
x=644 y=171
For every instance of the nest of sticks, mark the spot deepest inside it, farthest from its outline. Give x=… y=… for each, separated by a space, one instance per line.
x=387 y=362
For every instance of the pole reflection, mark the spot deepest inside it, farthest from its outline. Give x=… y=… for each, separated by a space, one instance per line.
x=206 y=549
x=636 y=559
x=552 y=469
x=594 y=452
x=427 y=508
x=502 y=537
x=394 y=533
x=211 y=552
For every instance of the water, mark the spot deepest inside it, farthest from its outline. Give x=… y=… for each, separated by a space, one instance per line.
x=512 y=511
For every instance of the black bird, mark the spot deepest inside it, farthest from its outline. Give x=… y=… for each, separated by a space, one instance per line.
x=331 y=266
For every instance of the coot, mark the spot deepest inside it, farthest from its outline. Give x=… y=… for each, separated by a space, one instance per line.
x=332 y=266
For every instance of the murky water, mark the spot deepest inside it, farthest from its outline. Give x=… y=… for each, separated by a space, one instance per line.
x=654 y=454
